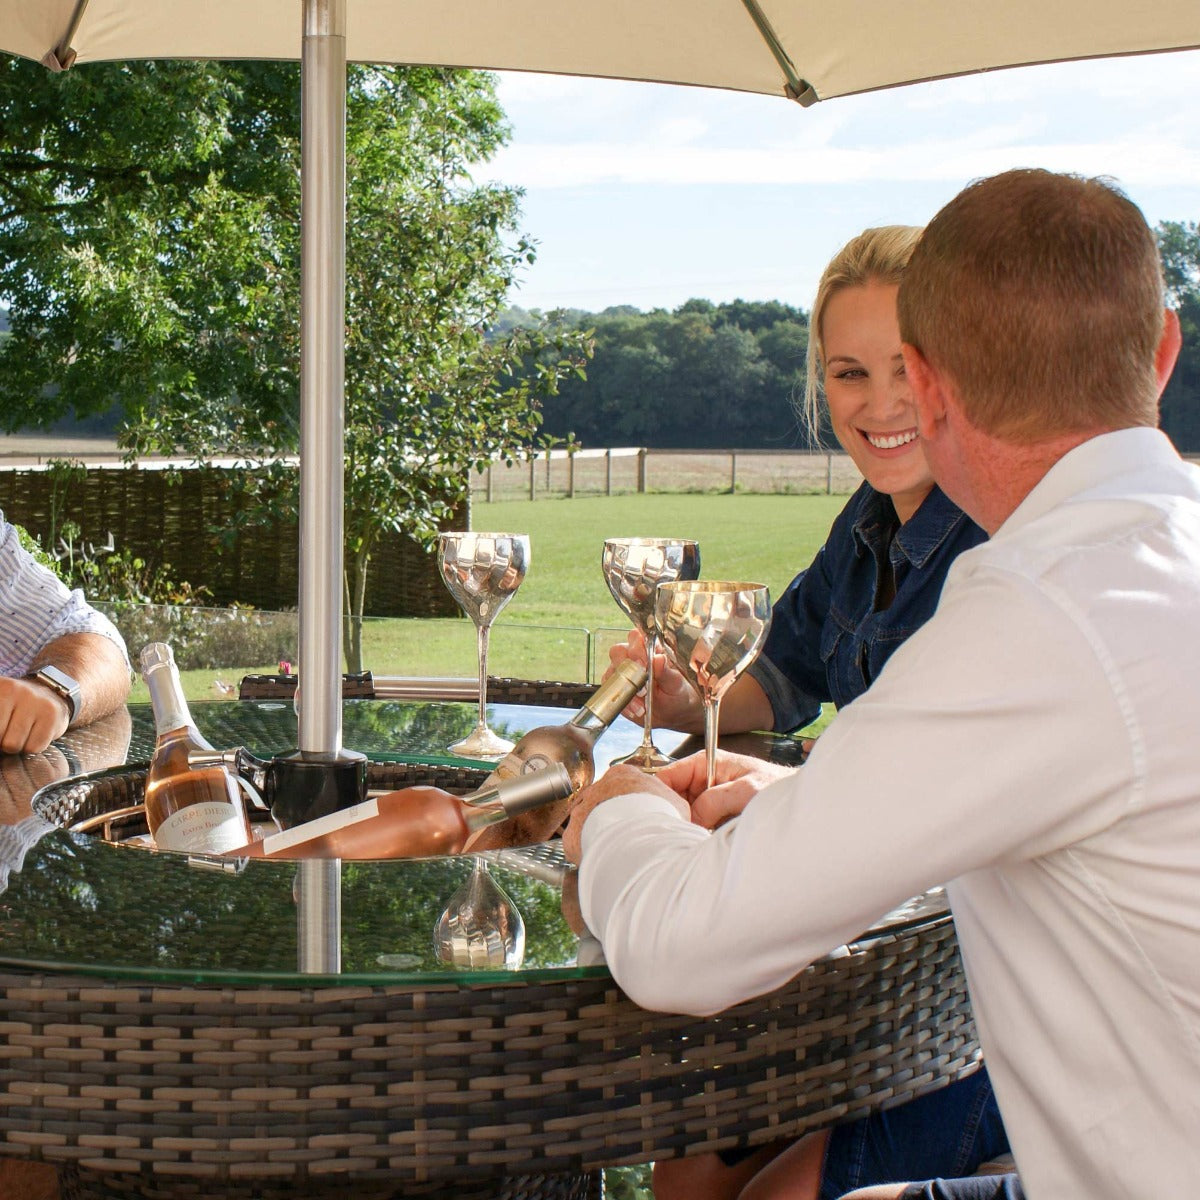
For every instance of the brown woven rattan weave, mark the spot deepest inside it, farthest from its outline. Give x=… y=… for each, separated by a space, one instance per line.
x=261 y=1091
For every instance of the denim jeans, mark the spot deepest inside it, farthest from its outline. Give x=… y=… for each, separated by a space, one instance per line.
x=945 y=1134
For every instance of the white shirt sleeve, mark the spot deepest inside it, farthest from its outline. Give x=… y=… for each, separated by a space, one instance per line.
x=36 y=608
x=952 y=761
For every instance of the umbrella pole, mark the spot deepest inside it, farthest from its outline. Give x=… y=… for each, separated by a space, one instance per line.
x=322 y=416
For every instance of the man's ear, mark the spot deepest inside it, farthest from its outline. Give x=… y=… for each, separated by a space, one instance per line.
x=1168 y=349
x=928 y=393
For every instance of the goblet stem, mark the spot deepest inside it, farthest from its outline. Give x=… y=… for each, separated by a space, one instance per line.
x=482 y=633
x=648 y=724
x=712 y=718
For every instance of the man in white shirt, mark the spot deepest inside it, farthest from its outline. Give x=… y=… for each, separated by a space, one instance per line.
x=62 y=663
x=1034 y=746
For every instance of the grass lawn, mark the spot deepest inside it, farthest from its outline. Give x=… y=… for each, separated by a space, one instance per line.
x=562 y=620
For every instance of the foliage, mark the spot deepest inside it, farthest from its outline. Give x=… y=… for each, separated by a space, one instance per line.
x=130 y=223
x=1179 y=244
x=32 y=546
x=149 y=232
x=703 y=375
x=206 y=637
x=628 y=1183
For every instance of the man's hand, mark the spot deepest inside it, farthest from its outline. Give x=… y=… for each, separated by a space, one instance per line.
x=616 y=781
x=738 y=780
x=31 y=716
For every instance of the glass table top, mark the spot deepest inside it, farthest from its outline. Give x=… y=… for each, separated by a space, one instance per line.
x=73 y=903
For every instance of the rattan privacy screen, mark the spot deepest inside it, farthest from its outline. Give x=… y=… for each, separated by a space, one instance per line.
x=174 y=516
x=306 y=1088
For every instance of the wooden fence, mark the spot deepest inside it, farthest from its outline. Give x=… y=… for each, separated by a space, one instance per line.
x=630 y=469
x=166 y=514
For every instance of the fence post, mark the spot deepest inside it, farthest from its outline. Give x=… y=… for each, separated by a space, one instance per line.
x=733 y=472
x=829 y=474
x=642 y=469
x=570 y=474
x=608 y=472
x=547 y=468
x=489 y=483
x=532 y=476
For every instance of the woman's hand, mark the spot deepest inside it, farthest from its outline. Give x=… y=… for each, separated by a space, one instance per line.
x=739 y=778
x=676 y=703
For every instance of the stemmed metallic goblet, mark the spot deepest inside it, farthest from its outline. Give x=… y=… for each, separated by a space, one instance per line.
x=482 y=571
x=633 y=569
x=480 y=926
x=712 y=631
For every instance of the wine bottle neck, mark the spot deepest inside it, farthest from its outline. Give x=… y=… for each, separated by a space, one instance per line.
x=509 y=797
x=606 y=702
x=166 y=698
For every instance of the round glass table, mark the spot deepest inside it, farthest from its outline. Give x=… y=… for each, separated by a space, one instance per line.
x=160 y=1040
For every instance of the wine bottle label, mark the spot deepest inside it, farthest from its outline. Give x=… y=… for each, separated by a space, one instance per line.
x=275 y=843
x=212 y=827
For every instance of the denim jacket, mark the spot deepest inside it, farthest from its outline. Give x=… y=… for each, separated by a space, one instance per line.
x=826 y=640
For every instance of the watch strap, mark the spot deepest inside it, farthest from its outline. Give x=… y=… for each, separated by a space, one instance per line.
x=61 y=684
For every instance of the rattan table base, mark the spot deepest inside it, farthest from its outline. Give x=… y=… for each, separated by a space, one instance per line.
x=268 y=1087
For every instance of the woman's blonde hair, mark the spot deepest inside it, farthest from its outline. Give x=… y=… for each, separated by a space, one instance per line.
x=876 y=255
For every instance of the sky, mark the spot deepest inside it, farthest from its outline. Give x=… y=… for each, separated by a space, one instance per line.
x=651 y=194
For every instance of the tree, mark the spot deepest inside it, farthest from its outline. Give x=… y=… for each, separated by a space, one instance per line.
x=1179 y=245
x=171 y=269
x=704 y=375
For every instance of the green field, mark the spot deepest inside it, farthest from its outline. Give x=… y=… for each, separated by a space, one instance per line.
x=561 y=622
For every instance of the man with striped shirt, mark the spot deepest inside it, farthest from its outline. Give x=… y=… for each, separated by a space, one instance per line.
x=62 y=663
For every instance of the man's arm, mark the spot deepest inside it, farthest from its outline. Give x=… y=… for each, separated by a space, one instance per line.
x=32 y=715
x=950 y=762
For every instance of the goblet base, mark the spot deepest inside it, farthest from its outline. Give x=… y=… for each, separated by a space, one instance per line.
x=646 y=758
x=481 y=743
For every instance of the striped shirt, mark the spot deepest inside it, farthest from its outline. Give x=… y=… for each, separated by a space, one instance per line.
x=36 y=608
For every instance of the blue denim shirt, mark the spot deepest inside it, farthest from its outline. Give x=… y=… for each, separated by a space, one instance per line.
x=826 y=641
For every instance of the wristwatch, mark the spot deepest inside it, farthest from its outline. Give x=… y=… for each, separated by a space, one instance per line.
x=61 y=684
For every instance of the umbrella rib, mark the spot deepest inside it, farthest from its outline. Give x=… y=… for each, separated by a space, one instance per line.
x=796 y=88
x=62 y=56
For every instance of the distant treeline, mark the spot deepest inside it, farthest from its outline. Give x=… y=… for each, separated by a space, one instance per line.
x=703 y=376
x=725 y=376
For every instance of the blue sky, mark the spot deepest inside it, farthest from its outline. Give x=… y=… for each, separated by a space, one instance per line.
x=649 y=194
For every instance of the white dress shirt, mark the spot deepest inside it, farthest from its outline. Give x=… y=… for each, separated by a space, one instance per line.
x=1036 y=746
x=36 y=608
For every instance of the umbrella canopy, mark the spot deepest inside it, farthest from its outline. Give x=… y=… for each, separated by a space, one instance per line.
x=810 y=50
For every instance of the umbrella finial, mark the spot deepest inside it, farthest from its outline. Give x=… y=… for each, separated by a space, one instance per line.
x=62 y=57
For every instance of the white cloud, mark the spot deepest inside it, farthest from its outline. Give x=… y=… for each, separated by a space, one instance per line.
x=573 y=165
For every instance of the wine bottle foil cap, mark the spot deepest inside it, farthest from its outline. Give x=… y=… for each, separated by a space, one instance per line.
x=534 y=788
x=156 y=654
x=633 y=671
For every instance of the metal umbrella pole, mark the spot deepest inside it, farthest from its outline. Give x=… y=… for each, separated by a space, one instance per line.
x=322 y=404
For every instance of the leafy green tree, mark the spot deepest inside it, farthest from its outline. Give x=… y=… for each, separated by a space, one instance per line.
x=1179 y=244
x=149 y=232
x=705 y=375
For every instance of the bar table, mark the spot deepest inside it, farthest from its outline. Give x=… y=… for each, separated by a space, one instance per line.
x=158 y=1040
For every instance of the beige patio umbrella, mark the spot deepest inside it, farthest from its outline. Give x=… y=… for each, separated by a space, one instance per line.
x=804 y=50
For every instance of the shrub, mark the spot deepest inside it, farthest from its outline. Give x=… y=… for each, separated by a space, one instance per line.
x=207 y=637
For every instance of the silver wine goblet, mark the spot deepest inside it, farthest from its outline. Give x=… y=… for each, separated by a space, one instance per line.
x=482 y=571
x=633 y=569
x=712 y=631
x=480 y=926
